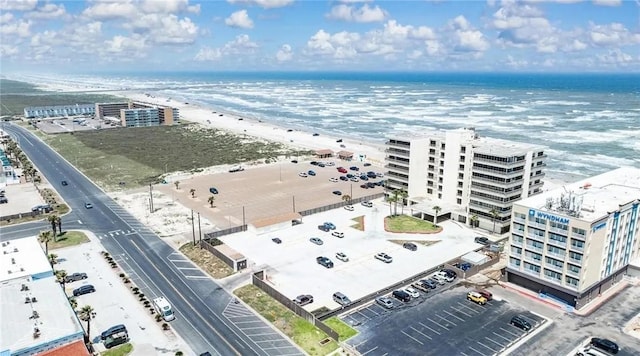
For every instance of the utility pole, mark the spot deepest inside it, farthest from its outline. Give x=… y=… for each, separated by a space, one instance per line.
x=294 y=203
x=151 y=198
x=243 y=217
x=193 y=229
x=199 y=229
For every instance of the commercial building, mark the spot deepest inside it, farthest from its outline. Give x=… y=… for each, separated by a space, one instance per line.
x=136 y=114
x=574 y=242
x=59 y=111
x=459 y=175
x=36 y=315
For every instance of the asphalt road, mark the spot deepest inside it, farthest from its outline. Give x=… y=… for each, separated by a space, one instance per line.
x=198 y=304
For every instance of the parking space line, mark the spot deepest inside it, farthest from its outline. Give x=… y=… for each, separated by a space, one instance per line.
x=366 y=317
x=373 y=349
x=421 y=333
x=428 y=327
x=509 y=332
x=447 y=320
x=494 y=341
x=245 y=322
x=481 y=353
x=466 y=306
x=479 y=343
x=498 y=335
x=460 y=311
x=411 y=337
x=455 y=316
x=440 y=325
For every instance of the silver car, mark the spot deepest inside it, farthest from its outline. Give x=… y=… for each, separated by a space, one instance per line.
x=384 y=257
x=386 y=302
x=316 y=240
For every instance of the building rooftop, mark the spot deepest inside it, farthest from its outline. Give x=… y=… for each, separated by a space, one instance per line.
x=592 y=198
x=35 y=310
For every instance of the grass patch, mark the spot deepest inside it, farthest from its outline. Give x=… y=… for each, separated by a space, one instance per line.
x=207 y=261
x=303 y=333
x=344 y=330
x=68 y=238
x=359 y=225
x=409 y=224
x=120 y=350
x=131 y=155
x=58 y=209
x=417 y=242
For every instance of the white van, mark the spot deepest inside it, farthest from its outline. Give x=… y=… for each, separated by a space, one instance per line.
x=163 y=308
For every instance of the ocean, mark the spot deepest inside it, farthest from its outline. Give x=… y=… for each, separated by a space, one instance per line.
x=589 y=122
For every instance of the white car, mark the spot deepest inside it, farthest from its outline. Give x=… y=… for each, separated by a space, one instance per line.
x=303 y=174
x=329 y=164
x=337 y=234
x=348 y=207
x=384 y=257
x=342 y=257
x=412 y=292
x=354 y=179
x=439 y=278
x=333 y=180
x=368 y=204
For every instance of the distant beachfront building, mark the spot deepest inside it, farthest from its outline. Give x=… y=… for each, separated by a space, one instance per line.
x=575 y=242
x=36 y=315
x=136 y=114
x=470 y=179
x=31 y=112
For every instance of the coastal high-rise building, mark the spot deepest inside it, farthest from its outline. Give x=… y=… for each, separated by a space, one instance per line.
x=136 y=114
x=575 y=242
x=459 y=175
x=139 y=117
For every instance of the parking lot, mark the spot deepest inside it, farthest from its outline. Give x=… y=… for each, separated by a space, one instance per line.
x=21 y=199
x=266 y=191
x=443 y=323
x=114 y=303
x=62 y=124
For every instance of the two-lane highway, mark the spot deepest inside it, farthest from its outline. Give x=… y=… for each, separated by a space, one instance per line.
x=199 y=303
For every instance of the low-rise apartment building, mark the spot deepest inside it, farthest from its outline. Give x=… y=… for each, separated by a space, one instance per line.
x=468 y=178
x=575 y=242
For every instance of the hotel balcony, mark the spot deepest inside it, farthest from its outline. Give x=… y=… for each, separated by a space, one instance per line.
x=398 y=143
x=537 y=158
x=396 y=168
x=539 y=175
x=559 y=231
x=499 y=163
x=540 y=226
x=475 y=187
x=534 y=249
x=557 y=243
x=536 y=185
x=396 y=160
x=511 y=184
x=497 y=173
x=398 y=153
x=553 y=267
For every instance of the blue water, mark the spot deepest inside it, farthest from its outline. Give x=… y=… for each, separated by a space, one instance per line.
x=590 y=122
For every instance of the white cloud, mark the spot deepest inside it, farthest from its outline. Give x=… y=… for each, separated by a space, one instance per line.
x=131 y=46
x=48 y=11
x=465 y=38
x=284 y=53
x=20 y=28
x=614 y=34
x=616 y=57
x=6 y=17
x=516 y=63
x=363 y=14
x=165 y=29
x=8 y=51
x=111 y=10
x=241 y=45
x=239 y=19
x=18 y=5
x=607 y=2
x=168 y=6
x=267 y=4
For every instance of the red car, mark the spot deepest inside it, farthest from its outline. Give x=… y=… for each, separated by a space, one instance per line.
x=342 y=170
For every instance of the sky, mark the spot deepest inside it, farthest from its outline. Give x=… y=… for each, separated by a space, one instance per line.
x=319 y=35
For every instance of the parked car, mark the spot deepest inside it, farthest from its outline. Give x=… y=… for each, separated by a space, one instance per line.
x=337 y=192
x=316 y=240
x=364 y=186
x=75 y=277
x=343 y=178
x=371 y=174
x=429 y=283
x=342 y=257
x=325 y=261
x=46 y=208
x=476 y=298
x=605 y=345
x=3 y=200
x=329 y=164
x=213 y=190
x=385 y=302
x=311 y=173
x=349 y=175
x=410 y=246
x=338 y=234
x=465 y=266
x=364 y=177
x=481 y=240
x=314 y=163
x=354 y=168
x=412 y=292
x=236 y=169
x=354 y=179
x=88 y=205
x=384 y=257
x=113 y=330
x=276 y=240
x=368 y=204
x=303 y=299
x=444 y=276
x=420 y=286
x=590 y=351
x=64 y=182
x=316 y=134
x=324 y=228
x=520 y=322
x=348 y=207
x=401 y=295
x=341 y=298
x=294 y=161
x=333 y=179
x=371 y=185
x=342 y=170
x=450 y=273
x=322 y=165
x=330 y=225
x=302 y=174
x=84 y=290
x=485 y=293
x=438 y=278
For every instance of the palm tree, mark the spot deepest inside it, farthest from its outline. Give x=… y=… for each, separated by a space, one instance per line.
x=53 y=258
x=177 y=184
x=396 y=199
x=61 y=275
x=391 y=199
x=53 y=219
x=494 y=215
x=211 y=200
x=86 y=314
x=435 y=217
x=346 y=198
x=59 y=225
x=403 y=195
x=45 y=237
x=193 y=192
x=474 y=220
x=73 y=302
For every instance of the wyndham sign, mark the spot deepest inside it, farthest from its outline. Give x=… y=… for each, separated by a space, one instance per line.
x=543 y=215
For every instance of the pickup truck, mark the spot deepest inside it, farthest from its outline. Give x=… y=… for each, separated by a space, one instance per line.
x=236 y=169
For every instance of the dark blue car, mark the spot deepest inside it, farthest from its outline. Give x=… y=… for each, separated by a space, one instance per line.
x=311 y=173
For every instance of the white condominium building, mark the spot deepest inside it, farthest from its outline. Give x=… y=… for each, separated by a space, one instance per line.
x=574 y=242
x=468 y=178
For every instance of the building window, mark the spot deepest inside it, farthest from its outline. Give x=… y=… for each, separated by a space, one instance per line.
x=534 y=256
x=575 y=256
x=461 y=167
x=535 y=232
x=571 y=281
x=556 y=250
x=439 y=195
x=559 y=225
x=429 y=191
x=432 y=143
x=463 y=149
x=556 y=237
x=514 y=262
x=442 y=146
x=540 y=221
x=517 y=239
x=516 y=250
x=574 y=269
x=577 y=243
x=459 y=201
x=519 y=216
x=531 y=267
x=552 y=274
x=460 y=175
x=579 y=232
